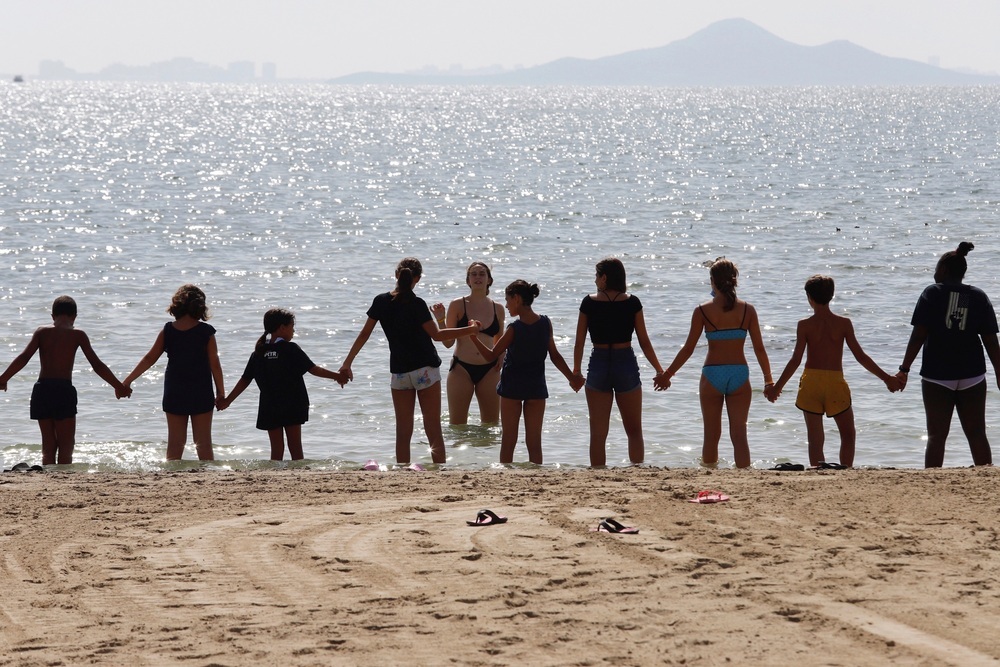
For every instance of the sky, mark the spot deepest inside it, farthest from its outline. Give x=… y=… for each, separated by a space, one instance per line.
x=319 y=39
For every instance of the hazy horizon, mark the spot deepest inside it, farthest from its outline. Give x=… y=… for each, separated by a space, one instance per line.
x=308 y=40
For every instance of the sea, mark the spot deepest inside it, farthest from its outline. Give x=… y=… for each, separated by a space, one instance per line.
x=306 y=197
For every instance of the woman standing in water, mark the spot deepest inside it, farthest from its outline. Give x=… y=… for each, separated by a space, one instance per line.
x=610 y=316
x=953 y=322
x=725 y=377
x=469 y=373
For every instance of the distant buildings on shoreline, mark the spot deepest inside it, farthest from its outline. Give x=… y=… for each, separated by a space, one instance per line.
x=176 y=70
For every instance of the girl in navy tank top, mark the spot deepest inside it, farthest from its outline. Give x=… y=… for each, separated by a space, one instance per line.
x=526 y=342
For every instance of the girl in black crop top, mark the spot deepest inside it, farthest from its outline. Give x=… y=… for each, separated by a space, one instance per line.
x=611 y=317
x=469 y=374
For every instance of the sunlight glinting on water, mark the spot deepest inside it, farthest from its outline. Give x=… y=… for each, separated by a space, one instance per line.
x=305 y=197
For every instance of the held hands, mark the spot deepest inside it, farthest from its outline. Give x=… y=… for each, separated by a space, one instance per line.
x=477 y=324
x=896 y=382
x=577 y=382
x=347 y=373
x=661 y=382
x=342 y=378
x=771 y=392
x=121 y=391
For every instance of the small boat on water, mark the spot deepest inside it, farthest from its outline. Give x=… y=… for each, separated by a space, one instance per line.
x=18 y=78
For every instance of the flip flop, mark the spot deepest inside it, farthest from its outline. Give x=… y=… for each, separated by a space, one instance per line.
x=416 y=466
x=371 y=464
x=23 y=467
x=708 y=497
x=487 y=518
x=609 y=525
x=823 y=465
x=785 y=467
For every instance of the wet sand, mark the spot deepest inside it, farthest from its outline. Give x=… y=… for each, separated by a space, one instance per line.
x=857 y=567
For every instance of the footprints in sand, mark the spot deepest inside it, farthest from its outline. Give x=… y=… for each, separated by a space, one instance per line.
x=377 y=574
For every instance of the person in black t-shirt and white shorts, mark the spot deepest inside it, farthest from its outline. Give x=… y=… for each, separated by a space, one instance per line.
x=953 y=323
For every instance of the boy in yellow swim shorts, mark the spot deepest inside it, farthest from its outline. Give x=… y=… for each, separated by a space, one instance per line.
x=822 y=388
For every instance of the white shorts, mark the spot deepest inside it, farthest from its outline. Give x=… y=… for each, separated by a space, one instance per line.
x=957 y=385
x=422 y=378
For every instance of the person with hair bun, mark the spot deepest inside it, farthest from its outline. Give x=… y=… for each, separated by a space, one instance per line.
x=725 y=377
x=953 y=323
x=410 y=331
x=526 y=341
x=192 y=367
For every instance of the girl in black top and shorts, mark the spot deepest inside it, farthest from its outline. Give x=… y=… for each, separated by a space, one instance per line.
x=611 y=316
x=413 y=362
x=953 y=323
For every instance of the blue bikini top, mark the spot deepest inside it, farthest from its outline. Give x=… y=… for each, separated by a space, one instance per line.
x=726 y=334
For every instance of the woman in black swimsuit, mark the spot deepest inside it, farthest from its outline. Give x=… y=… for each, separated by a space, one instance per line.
x=469 y=373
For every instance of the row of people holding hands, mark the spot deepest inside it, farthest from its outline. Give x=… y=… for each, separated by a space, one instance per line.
x=503 y=367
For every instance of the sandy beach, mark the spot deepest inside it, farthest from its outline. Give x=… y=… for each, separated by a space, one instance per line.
x=858 y=567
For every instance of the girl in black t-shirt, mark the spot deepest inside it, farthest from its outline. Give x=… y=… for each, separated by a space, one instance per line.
x=278 y=365
x=413 y=361
x=952 y=323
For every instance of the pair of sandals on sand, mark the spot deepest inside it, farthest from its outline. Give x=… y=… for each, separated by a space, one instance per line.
x=822 y=465
x=24 y=467
x=487 y=517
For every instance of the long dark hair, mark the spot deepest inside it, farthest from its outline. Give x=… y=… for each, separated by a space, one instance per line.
x=523 y=289
x=724 y=274
x=614 y=273
x=408 y=270
x=274 y=319
x=952 y=265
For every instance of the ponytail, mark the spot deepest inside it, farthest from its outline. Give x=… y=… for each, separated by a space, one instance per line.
x=408 y=270
x=724 y=274
x=274 y=319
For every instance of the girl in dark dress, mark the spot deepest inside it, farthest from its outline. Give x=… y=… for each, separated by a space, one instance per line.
x=278 y=365
x=192 y=367
x=527 y=341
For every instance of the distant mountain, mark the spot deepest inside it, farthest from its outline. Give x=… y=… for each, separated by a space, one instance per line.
x=734 y=52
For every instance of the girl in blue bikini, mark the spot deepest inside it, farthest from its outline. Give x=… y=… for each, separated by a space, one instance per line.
x=725 y=378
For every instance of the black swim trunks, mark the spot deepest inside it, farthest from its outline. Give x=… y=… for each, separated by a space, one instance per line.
x=53 y=399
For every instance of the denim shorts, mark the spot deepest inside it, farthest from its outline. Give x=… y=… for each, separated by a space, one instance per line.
x=613 y=370
x=422 y=378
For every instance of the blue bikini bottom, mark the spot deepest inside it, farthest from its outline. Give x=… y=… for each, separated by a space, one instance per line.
x=726 y=378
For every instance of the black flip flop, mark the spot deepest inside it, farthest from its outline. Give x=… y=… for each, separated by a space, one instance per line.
x=487 y=517
x=609 y=525
x=785 y=467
